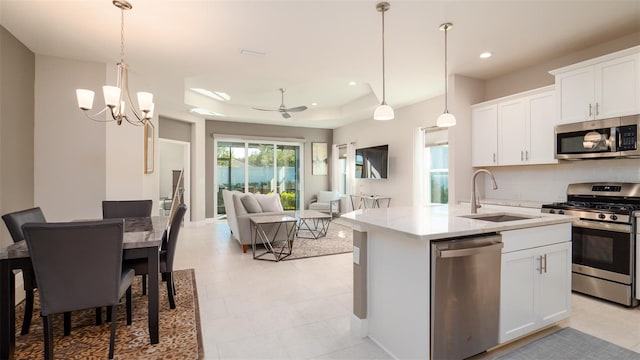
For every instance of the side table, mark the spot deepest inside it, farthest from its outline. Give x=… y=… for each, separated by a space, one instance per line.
x=266 y=229
x=312 y=223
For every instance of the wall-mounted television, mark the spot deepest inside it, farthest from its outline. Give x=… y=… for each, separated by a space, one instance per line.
x=372 y=162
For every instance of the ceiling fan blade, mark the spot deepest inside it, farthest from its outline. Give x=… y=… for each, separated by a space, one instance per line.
x=296 y=109
x=265 y=109
x=285 y=114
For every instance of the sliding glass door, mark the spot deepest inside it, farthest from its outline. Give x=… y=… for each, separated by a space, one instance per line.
x=288 y=176
x=259 y=167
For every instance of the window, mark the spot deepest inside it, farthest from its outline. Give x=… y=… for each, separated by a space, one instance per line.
x=259 y=167
x=436 y=169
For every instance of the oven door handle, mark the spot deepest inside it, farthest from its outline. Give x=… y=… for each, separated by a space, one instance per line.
x=621 y=228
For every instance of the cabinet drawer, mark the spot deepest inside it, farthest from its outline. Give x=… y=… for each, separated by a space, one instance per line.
x=528 y=238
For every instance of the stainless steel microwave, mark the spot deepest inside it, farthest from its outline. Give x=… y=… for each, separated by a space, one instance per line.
x=607 y=138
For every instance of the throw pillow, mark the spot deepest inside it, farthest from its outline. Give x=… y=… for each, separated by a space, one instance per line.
x=269 y=202
x=250 y=203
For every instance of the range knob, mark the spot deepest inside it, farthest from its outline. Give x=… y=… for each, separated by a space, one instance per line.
x=561 y=212
x=613 y=217
x=601 y=216
x=551 y=211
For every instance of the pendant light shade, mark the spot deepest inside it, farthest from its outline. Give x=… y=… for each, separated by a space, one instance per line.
x=446 y=119
x=383 y=111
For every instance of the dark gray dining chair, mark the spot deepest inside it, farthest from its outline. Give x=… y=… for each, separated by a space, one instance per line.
x=78 y=265
x=167 y=254
x=112 y=209
x=14 y=222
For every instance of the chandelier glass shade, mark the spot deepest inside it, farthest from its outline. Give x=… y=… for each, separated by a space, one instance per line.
x=446 y=119
x=117 y=97
x=383 y=111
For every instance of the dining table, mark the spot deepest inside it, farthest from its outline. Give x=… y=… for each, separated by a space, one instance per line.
x=142 y=240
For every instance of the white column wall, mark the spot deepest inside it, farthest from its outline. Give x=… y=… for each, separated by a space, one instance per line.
x=79 y=162
x=69 y=149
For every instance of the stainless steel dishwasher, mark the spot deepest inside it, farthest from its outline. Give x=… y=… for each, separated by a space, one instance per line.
x=465 y=296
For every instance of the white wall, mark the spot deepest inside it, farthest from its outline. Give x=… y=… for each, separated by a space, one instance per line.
x=171 y=156
x=399 y=134
x=79 y=162
x=548 y=183
x=198 y=171
x=70 y=152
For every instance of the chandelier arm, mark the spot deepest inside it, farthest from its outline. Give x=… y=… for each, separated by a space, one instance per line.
x=135 y=123
x=141 y=119
x=91 y=117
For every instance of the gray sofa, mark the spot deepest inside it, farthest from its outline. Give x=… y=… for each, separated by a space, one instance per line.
x=239 y=212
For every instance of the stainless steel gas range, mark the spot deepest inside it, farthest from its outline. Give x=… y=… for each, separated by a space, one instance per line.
x=603 y=239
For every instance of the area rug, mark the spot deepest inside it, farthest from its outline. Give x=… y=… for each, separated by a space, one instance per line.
x=339 y=240
x=568 y=343
x=180 y=333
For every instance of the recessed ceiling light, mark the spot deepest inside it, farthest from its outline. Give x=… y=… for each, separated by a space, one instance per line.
x=202 y=111
x=485 y=55
x=314 y=104
x=216 y=95
x=352 y=83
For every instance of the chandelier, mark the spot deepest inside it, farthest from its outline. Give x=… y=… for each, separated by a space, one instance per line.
x=116 y=97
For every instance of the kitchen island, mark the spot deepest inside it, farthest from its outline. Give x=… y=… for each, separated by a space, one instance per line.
x=393 y=268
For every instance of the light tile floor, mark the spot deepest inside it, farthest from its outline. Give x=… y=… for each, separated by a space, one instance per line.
x=300 y=309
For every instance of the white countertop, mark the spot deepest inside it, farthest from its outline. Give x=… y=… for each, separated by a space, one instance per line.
x=444 y=221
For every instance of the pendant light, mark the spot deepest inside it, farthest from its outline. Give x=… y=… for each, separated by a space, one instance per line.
x=446 y=119
x=384 y=111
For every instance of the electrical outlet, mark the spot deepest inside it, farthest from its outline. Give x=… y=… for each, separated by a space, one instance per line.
x=356 y=255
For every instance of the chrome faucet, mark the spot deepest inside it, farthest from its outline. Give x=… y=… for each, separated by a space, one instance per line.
x=474 y=200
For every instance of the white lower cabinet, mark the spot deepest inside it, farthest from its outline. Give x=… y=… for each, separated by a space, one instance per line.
x=535 y=287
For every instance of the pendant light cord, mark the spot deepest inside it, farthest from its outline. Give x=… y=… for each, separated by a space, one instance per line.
x=446 y=78
x=384 y=97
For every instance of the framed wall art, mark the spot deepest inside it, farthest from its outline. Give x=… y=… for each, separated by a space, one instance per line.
x=319 y=158
x=149 y=144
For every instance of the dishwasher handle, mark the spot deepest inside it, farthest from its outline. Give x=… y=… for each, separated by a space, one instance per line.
x=468 y=251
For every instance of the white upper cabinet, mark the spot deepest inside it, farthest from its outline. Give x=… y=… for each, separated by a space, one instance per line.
x=484 y=130
x=600 y=88
x=512 y=132
x=524 y=127
x=542 y=117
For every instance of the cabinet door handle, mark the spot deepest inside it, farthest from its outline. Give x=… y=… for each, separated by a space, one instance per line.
x=545 y=263
x=494 y=158
x=521 y=155
x=526 y=155
x=590 y=112
x=597 y=109
x=539 y=269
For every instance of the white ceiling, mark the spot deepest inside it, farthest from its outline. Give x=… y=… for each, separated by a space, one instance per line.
x=313 y=48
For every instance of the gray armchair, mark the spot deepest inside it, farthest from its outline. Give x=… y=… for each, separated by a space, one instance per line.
x=326 y=201
x=94 y=278
x=14 y=222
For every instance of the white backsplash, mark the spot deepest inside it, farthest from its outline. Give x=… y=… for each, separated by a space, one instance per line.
x=548 y=183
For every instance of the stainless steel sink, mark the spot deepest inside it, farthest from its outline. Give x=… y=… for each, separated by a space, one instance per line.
x=500 y=217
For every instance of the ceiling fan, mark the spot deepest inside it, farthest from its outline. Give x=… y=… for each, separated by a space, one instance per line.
x=284 y=111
